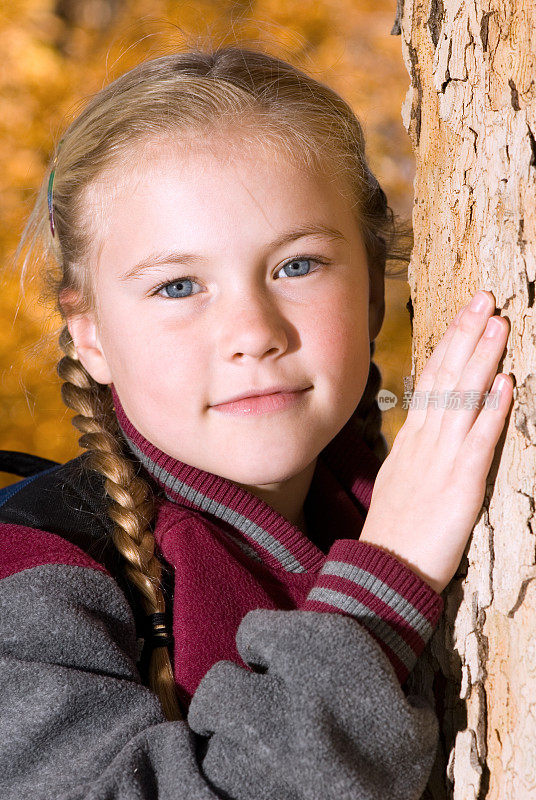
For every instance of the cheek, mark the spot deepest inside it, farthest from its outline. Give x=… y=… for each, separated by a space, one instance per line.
x=150 y=359
x=340 y=335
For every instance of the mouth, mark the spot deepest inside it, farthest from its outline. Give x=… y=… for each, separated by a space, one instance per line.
x=275 y=389
x=267 y=402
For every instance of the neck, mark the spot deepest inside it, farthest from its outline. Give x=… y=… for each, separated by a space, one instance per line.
x=279 y=506
x=179 y=480
x=287 y=497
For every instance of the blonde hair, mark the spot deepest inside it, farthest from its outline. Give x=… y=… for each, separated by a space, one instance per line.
x=184 y=95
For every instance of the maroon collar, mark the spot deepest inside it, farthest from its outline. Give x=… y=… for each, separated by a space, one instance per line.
x=335 y=507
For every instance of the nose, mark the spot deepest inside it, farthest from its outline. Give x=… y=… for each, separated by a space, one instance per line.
x=253 y=327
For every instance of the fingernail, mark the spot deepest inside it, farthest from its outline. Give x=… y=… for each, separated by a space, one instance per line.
x=492 y=328
x=479 y=302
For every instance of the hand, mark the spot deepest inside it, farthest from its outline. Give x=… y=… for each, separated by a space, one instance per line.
x=430 y=489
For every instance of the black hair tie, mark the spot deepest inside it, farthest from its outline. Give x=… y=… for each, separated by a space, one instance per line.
x=156 y=633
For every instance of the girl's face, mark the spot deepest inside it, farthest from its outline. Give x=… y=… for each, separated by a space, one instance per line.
x=242 y=321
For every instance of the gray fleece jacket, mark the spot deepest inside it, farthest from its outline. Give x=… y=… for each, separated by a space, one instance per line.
x=319 y=714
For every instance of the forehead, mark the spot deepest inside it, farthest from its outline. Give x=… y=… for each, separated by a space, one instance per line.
x=222 y=177
x=231 y=146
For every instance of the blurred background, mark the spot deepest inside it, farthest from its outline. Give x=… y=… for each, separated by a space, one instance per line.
x=56 y=54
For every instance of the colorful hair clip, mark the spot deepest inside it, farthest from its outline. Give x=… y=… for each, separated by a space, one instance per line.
x=49 y=192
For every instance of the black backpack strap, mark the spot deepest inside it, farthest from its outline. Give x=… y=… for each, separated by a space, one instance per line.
x=23 y=464
x=70 y=500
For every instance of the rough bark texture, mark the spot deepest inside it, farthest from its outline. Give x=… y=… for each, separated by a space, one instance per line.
x=471 y=114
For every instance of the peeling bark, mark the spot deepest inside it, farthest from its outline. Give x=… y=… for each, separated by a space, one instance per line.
x=470 y=111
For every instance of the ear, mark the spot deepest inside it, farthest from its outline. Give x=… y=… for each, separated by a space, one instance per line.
x=85 y=335
x=376 y=303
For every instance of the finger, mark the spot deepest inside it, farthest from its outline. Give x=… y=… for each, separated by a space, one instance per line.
x=417 y=408
x=466 y=337
x=460 y=347
x=463 y=405
x=477 y=451
x=430 y=370
x=419 y=403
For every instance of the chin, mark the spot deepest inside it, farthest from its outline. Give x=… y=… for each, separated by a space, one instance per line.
x=275 y=470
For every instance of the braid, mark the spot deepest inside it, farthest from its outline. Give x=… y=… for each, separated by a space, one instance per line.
x=131 y=501
x=367 y=416
x=384 y=240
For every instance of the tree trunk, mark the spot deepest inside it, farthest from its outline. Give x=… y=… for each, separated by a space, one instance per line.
x=471 y=114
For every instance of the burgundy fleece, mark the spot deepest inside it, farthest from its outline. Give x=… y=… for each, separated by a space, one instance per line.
x=231 y=553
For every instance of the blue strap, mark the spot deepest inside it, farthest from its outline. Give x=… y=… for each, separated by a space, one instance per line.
x=12 y=489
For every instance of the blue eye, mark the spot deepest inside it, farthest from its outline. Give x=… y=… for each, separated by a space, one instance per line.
x=294 y=267
x=181 y=287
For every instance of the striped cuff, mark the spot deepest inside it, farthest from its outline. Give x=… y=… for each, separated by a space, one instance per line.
x=399 y=609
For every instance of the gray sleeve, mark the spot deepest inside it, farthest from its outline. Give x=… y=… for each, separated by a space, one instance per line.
x=322 y=714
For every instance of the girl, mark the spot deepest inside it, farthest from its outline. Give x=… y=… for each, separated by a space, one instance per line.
x=223 y=597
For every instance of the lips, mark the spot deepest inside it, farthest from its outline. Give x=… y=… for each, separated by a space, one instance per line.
x=273 y=402
x=261 y=392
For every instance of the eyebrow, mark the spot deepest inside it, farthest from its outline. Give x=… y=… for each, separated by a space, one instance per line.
x=174 y=257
